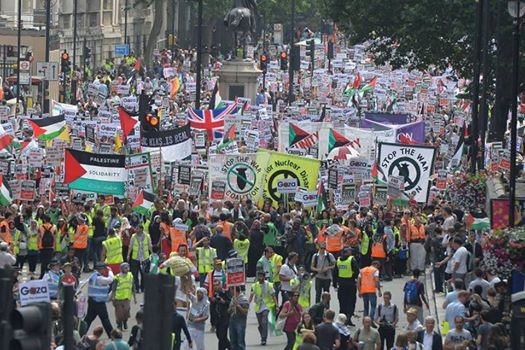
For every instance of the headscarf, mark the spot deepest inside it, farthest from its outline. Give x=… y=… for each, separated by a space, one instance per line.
x=124 y=224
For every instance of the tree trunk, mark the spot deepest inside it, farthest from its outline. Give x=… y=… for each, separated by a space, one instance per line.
x=158 y=8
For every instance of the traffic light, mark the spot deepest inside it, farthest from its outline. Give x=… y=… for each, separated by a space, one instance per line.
x=87 y=55
x=310 y=51
x=284 y=61
x=31 y=326
x=330 y=50
x=295 y=59
x=152 y=122
x=10 y=51
x=65 y=64
x=264 y=63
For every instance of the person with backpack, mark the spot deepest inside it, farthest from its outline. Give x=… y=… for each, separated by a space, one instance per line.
x=46 y=244
x=322 y=264
x=387 y=317
x=415 y=295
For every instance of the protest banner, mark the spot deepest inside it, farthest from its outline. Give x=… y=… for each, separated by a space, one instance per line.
x=235 y=275
x=413 y=163
x=33 y=292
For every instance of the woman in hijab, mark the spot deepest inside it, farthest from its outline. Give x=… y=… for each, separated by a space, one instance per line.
x=154 y=231
x=197 y=316
x=256 y=248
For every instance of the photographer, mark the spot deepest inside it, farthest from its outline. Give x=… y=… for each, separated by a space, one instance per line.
x=387 y=316
x=219 y=304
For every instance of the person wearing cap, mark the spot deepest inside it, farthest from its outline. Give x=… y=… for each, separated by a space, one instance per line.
x=112 y=251
x=52 y=277
x=140 y=249
x=347 y=270
x=99 y=285
x=66 y=279
x=121 y=292
x=413 y=324
x=46 y=244
x=218 y=274
x=178 y=234
x=368 y=285
x=263 y=293
x=80 y=241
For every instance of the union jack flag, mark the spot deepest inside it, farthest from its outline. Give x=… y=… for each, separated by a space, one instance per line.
x=211 y=120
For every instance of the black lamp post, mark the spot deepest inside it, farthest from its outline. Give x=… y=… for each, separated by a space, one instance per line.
x=199 y=56
x=516 y=10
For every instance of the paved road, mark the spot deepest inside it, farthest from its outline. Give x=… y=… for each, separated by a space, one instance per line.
x=278 y=343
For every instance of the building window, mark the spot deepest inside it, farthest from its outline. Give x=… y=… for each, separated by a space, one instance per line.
x=108 y=5
x=93 y=20
x=108 y=16
x=66 y=21
x=27 y=7
x=80 y=20
x=93 y=5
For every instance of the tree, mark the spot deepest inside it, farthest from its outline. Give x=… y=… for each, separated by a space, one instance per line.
x=418 y=34
x=158 y=18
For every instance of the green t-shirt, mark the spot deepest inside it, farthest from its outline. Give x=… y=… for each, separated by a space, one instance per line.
x=270 y=238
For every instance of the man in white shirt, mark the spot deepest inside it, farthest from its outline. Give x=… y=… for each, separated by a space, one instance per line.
x=459 y=259
x=430 y=339
x=6 y=258
x=479 y=281
x=286 y=274
x=449 y=221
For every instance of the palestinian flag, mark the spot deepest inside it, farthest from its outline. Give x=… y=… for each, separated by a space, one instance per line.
x=5 y=139
x=477 y=221
x=455 y=161
x=5 y=192
x=307 y=142
x=48 y=128
x=144 y=202
x=216 y=100
x=335 y=140
x=343 y=153
x=227 y=139
x=295 y=134
x=322 y=198
x=375 y=175
x=401 y=201
x=99 y=173
x=369 y=87
x=127 y=123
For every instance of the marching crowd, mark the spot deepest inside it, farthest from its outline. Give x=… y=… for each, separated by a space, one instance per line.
x=291 y=254
x=296 y=256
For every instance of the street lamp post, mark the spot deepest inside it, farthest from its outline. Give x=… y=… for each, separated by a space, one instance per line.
x=73 y=98
x=290 y=69
x=516 y=10
x=199 y=57
x=48 y=30
x=126 y=22
x=18 y=85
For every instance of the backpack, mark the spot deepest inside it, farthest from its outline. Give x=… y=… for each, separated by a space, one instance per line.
x=411 y=293
x=48 y=241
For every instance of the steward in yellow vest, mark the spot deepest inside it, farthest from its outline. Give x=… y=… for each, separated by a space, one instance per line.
x=121 y=292
x=112 y=252
x=347 y=270
x=265 y=301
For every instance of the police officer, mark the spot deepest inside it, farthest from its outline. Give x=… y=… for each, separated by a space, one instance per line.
x=98 y=295
x=347 y=270
x=52 y=276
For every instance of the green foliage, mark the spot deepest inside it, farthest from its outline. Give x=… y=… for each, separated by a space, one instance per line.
x=412 y=33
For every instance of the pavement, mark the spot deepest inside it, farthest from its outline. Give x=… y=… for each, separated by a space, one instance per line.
x=274 y=343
